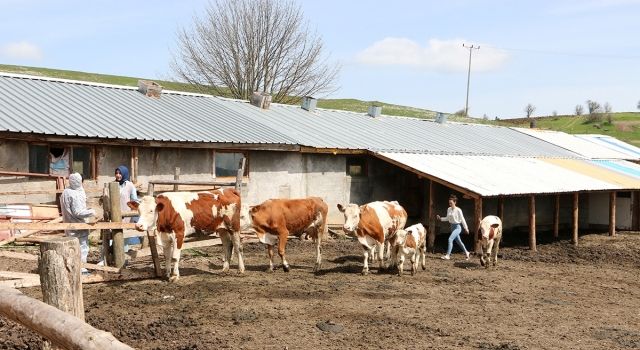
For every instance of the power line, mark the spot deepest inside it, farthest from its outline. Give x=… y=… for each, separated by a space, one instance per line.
x=466 y=104
x=564 y=53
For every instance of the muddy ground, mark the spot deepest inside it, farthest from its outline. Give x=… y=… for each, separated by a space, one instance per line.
x=562 y=297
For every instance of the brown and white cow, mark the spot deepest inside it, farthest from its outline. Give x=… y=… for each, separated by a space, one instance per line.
x=275 y=219
x=176 y=215
x=411 y=242
x=375 y=225
x=489 y=236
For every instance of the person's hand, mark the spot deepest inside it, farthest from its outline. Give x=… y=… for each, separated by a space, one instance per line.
x=437 y=216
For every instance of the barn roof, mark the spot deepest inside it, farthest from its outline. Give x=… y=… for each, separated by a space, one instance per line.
x=632 y=152
x=71 y=108
x=490 y=176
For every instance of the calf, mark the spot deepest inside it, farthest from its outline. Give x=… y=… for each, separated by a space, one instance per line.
x=275 y=219
x=411 y=241
x=176 y=215
x=375 y=225
x=489 y=235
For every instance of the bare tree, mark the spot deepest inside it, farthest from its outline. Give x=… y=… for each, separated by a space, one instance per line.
x=607 y=112
x=595 y=111
x=638 y=105
x=529 y=109
x=579 y=110
x=242 y=46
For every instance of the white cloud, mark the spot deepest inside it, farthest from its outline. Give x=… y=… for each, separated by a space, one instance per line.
x=21 y=50
x=439 y=55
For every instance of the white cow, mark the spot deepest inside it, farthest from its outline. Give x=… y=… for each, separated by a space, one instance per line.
x=489 y=235
x=411 y=241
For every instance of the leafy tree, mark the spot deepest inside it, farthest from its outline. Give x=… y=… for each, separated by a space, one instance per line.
x=242 y=46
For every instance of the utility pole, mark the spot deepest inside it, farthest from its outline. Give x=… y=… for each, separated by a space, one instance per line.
x=471 y=48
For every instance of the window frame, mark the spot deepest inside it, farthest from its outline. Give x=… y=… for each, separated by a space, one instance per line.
x=354 y=160
x=70 y=148
x=245 y=154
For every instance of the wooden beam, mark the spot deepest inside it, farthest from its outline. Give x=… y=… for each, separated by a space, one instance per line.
x=176 y=178
x=116 y=217
x=575 y=222
x=27 y=174
x=21 y=283
x=635 y=211
x=55 y=325
x=532 y=223
x=431 y=221
x=13 y=275
x=193 y=182
x=13 y=239
x=65 y=226
x=100 y=268
x=556 y=217
x=477 y=217
x=18 y=255
x=612 y=214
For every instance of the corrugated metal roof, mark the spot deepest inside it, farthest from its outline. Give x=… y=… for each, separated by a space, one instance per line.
x=494 y=175
x=54 y=107
x=574 y=144
x=632 y=152
x=621 y=166
x=49 y=107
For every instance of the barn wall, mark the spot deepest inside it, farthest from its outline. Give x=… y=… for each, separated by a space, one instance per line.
x=14 y=156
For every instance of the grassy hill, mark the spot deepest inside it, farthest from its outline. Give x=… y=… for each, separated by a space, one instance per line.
x=625 y=125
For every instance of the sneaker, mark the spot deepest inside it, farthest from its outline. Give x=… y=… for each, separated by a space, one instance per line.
x=445 y=257
x=467 y=254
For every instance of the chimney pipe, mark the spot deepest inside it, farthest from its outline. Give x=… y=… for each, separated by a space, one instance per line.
x=309 y=103
x=375 y=111
x=149 y=88
x=261 y=99
x=441 y=118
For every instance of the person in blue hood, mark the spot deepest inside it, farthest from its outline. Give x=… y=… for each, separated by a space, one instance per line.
x=127 y=194
x=73 y=204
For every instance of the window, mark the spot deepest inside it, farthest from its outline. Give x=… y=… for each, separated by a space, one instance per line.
x=356 y=166
x=60 y=160
x=226 y=163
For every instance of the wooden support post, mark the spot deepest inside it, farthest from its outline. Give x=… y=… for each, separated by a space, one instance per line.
x=116 y=216
x=501 y=209
x=105 y=235
x=431 y=220
x=239 y=175
x=574 y=235
x=133 y=174
x=154 y=253
x=556 y=218
x=612 y=214
x=60 y=278
x=176 y=176
x=635 y=210
x=150 y=189
x=476 y=224
x=57 y=326
x=532 y=223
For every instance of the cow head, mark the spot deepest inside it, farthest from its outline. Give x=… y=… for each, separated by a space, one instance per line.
x=148 y=209
x=351 y=217
x=401 y=237
x=489 y=227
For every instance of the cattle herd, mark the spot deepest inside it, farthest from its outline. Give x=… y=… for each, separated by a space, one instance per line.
x=378 y=226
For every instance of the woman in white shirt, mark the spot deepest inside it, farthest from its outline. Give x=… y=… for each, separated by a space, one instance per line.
x=456 y=219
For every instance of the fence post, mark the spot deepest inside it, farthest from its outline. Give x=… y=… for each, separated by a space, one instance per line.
x=116 y=216
x=60 y=279
x=176 y=176
x=106 y=234
x=239 y=175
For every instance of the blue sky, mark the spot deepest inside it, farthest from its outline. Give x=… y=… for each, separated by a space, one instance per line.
x=553 y=54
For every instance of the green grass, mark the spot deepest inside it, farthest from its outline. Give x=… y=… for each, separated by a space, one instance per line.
x=625 y=125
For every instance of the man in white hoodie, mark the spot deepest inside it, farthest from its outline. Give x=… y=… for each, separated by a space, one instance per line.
x=73 y=203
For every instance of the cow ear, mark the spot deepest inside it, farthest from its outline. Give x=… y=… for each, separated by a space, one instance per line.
x=159 y=206
x=133 y=205
x=495 y=225
x=340 y=207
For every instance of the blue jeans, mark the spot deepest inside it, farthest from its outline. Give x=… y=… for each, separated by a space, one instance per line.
x=455 y=236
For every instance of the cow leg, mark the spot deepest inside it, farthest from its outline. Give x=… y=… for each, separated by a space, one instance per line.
x=423 y=259
x=401 y=263
x=270 y=255
x=415 y=257
x=488 y=253
x=316 y=267
x=366 y=250
x=167 y=249
x=227 y=250
x=237 y=248
x=381 y=261
x=282 y=244
x=372 y=254
x=495 y=253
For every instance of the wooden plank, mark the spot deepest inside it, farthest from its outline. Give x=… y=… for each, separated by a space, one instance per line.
x=21 y=283
x=612 y=214
x=176 y=177
x=65 y=226
x=193 y=182
x=13 y=274
x=575 y=222
x=38 y=239
x=20 y=173
x=100 y=268
x=18 y=255
x=532 y=223
x=12 y=239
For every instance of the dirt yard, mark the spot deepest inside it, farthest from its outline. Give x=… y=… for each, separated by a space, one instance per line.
x=560 y=298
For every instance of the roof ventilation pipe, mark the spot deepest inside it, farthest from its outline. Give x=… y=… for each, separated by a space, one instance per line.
x=441 y=118
x=150 y=88
x=375 y=111
x=261 y=99
x=309 y=103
